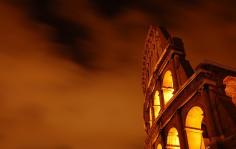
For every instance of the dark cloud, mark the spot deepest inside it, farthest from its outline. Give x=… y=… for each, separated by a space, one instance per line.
x=71 y=36
x=48 y=101
x=162 y=11
x=77 y=37
x=111 y=8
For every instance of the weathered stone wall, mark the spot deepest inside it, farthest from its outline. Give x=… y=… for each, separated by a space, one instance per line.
x=230 y=89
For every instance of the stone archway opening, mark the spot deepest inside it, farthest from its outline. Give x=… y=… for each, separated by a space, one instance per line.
x=173 y=139
x=167 y=86
x=195 y=129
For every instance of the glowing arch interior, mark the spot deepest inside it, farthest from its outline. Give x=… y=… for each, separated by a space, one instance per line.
x=173 y=139
x=159 y=146
x=193 y=128
x=167 y=86
x=156 y=105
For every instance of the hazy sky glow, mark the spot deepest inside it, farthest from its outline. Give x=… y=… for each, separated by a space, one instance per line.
x=71 y=69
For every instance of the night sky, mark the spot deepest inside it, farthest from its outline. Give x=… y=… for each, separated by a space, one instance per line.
x=71 y=69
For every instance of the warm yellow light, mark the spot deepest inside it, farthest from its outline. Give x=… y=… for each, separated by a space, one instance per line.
x=157 y=105
x=193 y=128
x=168 y=80
x=156 y=98
x=168 y=93
x=196 y=135
x=167 y=86
x=159 y=146
x=150 y=117
x=194 y=118
x=173 y=139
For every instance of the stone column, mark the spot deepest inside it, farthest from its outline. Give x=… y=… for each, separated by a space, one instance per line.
x=230 y=89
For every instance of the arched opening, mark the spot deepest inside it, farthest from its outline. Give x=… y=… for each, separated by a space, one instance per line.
x=167 y=86
x=150 y=117
x=159 y=146
x=156 y=104
x=194 y=128
x=173 y=139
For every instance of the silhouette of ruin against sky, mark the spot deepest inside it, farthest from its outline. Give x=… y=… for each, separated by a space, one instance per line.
x=71 y=69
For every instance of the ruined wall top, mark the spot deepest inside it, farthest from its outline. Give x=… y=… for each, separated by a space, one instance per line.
x=230 y=89
x=157 y=42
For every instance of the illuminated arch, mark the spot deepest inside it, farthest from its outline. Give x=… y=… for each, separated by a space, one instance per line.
x=167 y=86
x=150 y=117
x=159 y=146
x=156 y=104
x=193 y=128
x=173 y=139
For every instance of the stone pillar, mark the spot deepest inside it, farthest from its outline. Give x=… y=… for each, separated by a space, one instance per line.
x=230 y=89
